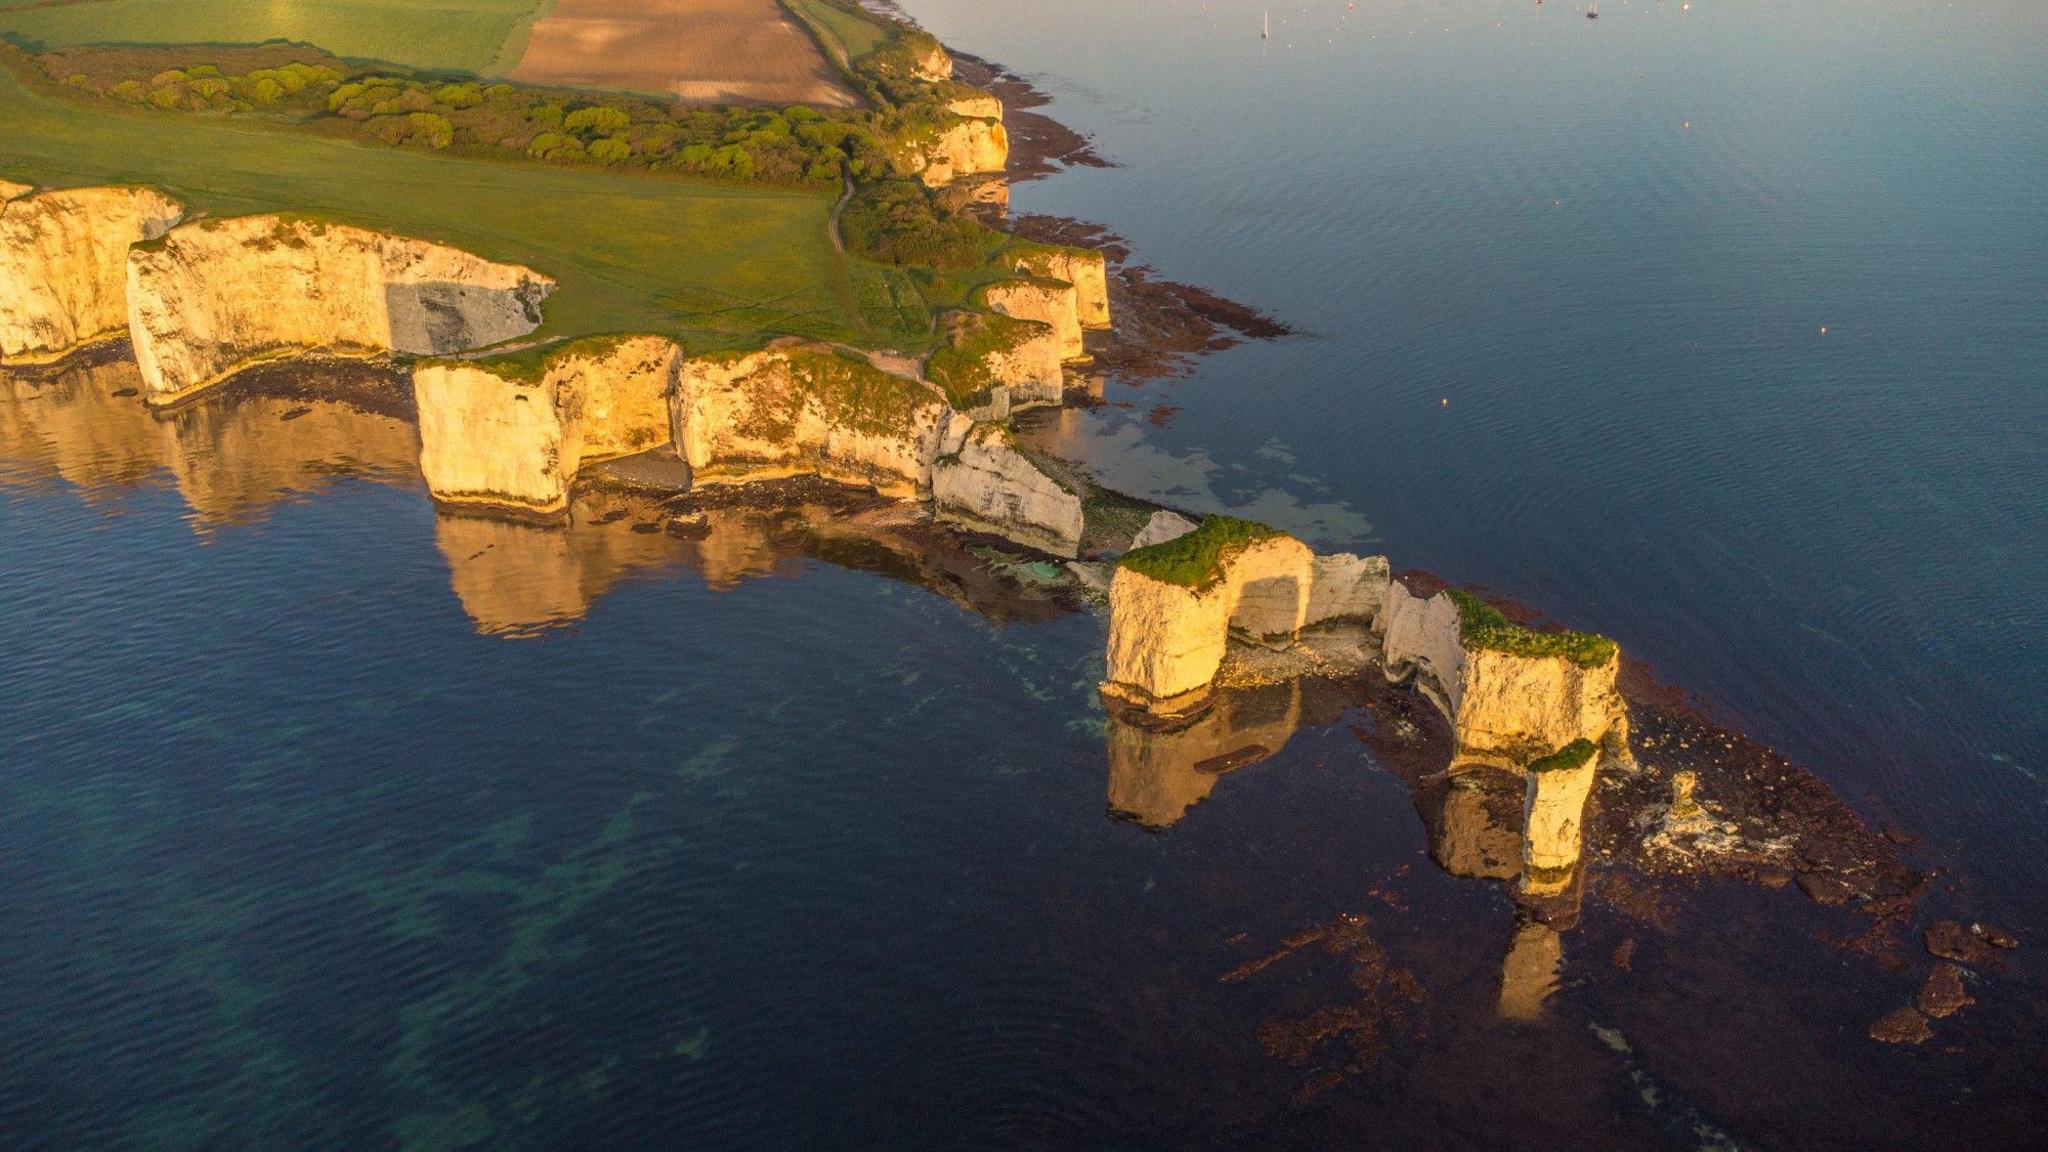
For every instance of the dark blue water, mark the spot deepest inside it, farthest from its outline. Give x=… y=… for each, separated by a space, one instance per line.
x=326 y=822
x=1721 y=328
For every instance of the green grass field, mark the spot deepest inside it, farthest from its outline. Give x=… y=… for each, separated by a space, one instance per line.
x=853 y=35
x=485 y=37
x=716 y=265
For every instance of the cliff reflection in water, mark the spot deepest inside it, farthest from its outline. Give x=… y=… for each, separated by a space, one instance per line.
x=272 y=436
x=1157 y=774
x=277 y=434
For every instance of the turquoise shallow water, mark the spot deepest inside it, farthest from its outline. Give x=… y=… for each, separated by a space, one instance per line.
x=326 y=822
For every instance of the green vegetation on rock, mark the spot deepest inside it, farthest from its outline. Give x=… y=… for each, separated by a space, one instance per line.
x=1195 y=560
x=960 y=367
x=1481 y=625
x=1576 y=754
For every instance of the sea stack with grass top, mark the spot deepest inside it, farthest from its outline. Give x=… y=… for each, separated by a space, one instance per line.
x=1175 y=605
x=1552 y=815
x=1512 y=694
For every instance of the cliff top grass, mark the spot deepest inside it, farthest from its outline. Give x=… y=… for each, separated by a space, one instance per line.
x=1576 y=754
x=531 y=363
x=1481 y=625
x=1196 y=559
x=960 y=367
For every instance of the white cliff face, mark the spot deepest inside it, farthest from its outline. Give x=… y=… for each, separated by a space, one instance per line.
x=989 y=486
x=1052 y=302
x=993 y=365
x=967 y=147
x=806 y=410
x=1167 y=639
x=490 y=435
x=934 y=65
x=1348 y=587
x=978 y=105
x=1084 y=268
x=1503 y=707
x=215 y=296
x=1552 y=818
x=1163 y=526
x=63 y=258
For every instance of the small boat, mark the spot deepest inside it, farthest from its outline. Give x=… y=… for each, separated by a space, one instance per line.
x=1593 y=13
x=1266 y=26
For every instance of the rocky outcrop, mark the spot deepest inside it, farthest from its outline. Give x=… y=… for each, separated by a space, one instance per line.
x=63 y=264
x=1084 y=268
x=992 y=365
x=1174 y=605
x=1347 y=587
x=513 y=434
x=968 y=146
x=213 y=297
x=1510 y=694
x=806 y=409
x=1553 y=814
x=965 y=101
x=1050 y=302
x=931 y=63
x=1163 y=526
x=990 y=486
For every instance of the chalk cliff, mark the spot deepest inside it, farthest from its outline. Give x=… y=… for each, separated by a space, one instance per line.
x=1174 y=605
x=1505 y=705
x=513 y=434
x=1553 y=814
x=962 y=100
x=969 y=146
x=990 y=486
x=215 y=296
x=992 y=365
x=932 y=64
x=63 y=256
x=1048 y=301
x=1084 y=268
x=12 y=191
x=806 y=409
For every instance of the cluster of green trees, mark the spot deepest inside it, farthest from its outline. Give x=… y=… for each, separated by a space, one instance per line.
x=892 y=217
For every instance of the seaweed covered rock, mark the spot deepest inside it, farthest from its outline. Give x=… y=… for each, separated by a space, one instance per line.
x=212 y=297
x=1084 y=268
x=513 y=432
x=1511 y=694
x=806 y=409
x=63 y=264
x=990 y=486
x=992 y=365
x=1048 y=301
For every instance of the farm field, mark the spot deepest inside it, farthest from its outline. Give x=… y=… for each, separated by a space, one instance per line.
x=481 y=36
x=700 y=51
x=713 y=264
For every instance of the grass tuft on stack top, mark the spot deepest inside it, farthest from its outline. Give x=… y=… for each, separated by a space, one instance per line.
x=1195 y=560
x=1576 y=754
x=1481 y=625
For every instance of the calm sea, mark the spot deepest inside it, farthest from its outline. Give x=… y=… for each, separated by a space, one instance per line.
x=326 y=822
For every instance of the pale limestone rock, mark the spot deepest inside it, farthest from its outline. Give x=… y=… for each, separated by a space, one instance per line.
x=1502 y=707
x=807 y=410
x=992 y=365
x=1552 y=816
x=1163 y=526
x=63 y=256
x=976 y=105
x=1529 y=973
x=1053 y=302
x=1166 y=640
x=990 y=486
x=967 y=147
x=1348 y=587
x=933 y=65
x=490 y=435
x=1084 y=268
x=12 y=191
x=215 y=296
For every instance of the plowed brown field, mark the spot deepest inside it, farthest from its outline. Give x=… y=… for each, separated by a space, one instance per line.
x=700 y=51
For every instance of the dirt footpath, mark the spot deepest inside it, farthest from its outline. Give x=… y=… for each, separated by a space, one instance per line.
x=700 y=51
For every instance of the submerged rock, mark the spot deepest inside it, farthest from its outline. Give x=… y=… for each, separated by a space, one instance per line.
x=1951 y=941
x=63 y=264
x=210 y=298
x=511 y=433
x=1943 y=995
x=990 y=486
x=1509 y=693
x=1902 y=1026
